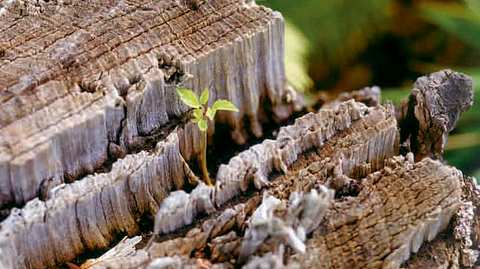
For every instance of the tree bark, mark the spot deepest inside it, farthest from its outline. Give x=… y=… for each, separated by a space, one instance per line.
x=94 y=144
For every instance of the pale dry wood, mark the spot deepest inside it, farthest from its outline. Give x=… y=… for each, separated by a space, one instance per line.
x=380 y=218
x=88 y=214
x=458 y=247
x=398 y=209
x=373 y=138
x=309 y=132
x=83 y=83
x=101 y=87
x=352 y=128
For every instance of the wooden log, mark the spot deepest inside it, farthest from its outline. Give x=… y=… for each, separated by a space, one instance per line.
x=79 y=79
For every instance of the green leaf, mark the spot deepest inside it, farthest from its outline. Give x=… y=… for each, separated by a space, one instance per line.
x=188 y=97
x=197 y=114
x=224 y=105
x=202 y=125
x=220 y=105
x=211 y=113
x=204 y=97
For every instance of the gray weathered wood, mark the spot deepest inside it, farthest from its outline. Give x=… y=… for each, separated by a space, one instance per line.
x=93 y=140
x=89 y=213
x=387 y=209
x=79 y=79
x=352 y=127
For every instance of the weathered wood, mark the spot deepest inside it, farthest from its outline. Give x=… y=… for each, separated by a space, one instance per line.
x=378 y=219
x=352 y=128
x=432 y=111
x=354 y=233
x=94 y=140
x=395 y=212
x=373 y=137
x=79 y=79
x=458 y=247
x=89 y=213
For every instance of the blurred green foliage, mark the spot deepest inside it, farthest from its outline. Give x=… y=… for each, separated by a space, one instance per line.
x=462 y=21
x=337 y=45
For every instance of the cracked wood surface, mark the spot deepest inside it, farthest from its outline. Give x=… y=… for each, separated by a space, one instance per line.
x=387 y=212
x=90 y=124
x=396 y=211
x=81 y=84
x=89 y=214
x=348 y=128
x=432 y=111
x=98 y=207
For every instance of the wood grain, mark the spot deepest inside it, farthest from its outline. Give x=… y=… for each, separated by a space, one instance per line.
x=79 y=79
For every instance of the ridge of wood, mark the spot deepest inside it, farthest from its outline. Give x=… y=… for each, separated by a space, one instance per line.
x=328 y=123
x=139 y=183
x=83 y=84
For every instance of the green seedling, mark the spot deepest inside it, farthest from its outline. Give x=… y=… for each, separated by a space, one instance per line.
x=202 y=115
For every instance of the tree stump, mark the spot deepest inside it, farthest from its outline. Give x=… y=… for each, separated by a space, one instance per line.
x=95 y=146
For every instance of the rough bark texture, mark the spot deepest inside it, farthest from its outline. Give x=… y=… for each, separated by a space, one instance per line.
x=432 y=111
x=387 y=212
x=389 y=219
x=94 y=141
x=79 y=79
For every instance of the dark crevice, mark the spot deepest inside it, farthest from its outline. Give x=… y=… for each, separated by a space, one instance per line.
x=5 y=212
x=222 y=148
x=87 y=87
x=409 y=128
x=173 y=73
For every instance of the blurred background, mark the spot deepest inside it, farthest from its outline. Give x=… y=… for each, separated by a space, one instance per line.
x=340 y=45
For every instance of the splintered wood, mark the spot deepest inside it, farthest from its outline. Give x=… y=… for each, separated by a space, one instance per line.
x=89 y=213
x=388 y=209
x=432 y=111
x=389 y=219
x=95 y=146
x=84 y=83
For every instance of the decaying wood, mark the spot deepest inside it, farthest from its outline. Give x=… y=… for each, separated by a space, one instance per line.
x=355 y=233
x=432 y=110
x=79 y=79
x=93 y=141
x=351 y=127
x=458 y=247
x=389 y=219
x=89 y=213
x=374 y=138
x=386 y=208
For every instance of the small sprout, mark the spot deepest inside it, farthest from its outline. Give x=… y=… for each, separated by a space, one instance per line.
x=201 y=116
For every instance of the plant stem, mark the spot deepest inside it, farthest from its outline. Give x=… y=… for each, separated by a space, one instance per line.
x=203 y=160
